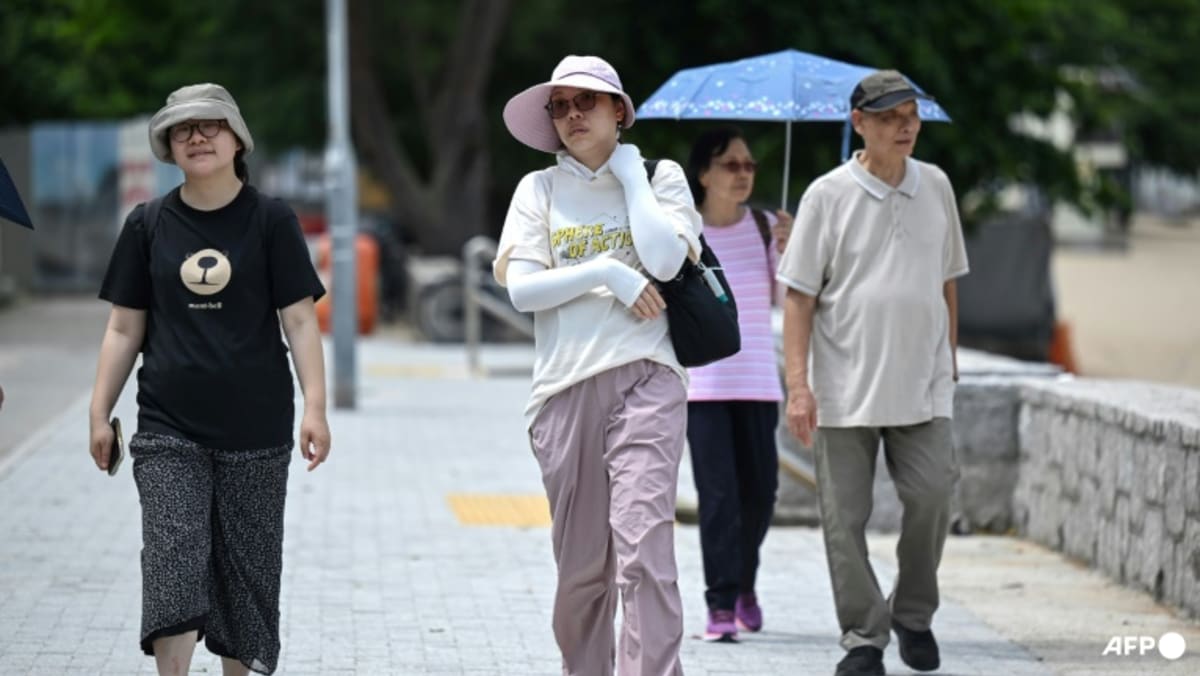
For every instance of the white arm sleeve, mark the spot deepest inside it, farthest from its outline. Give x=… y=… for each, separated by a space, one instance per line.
x=533 y=287
x=658 y=244
x=663 y=219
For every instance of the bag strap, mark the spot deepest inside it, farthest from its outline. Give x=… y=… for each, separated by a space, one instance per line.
x=764 y=228
x=651 y=165
x=151 y=213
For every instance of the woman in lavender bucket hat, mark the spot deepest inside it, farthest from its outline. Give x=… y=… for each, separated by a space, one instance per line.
x=582 y=244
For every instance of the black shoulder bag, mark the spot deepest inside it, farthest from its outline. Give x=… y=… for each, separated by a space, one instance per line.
x=701 y=311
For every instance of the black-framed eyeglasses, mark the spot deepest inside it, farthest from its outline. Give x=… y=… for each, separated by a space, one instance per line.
x=733 y=166
x=183 y=131
x=560 y=107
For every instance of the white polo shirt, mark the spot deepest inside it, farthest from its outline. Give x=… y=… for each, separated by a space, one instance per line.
x=568 y=214
x=876 y=258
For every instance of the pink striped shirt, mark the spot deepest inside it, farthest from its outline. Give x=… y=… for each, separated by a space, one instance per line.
x=749 y=267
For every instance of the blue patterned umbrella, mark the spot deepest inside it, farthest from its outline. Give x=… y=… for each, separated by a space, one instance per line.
x=11 y=206
x=788 y=86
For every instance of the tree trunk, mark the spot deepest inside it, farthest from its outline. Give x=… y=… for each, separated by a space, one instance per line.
x=442 y=210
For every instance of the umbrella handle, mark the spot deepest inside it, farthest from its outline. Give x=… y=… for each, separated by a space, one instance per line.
x=787 y=164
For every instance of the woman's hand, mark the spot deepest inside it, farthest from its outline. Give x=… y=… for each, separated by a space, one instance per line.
x=100 y=442
x=649 y=303
x=314 y=437
x=626 y=163
x=782 y=229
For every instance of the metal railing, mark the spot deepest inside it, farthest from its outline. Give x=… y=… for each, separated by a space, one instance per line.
x=798 y=467
x=478 y=252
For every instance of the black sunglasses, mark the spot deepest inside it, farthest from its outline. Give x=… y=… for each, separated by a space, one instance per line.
x=733 y=166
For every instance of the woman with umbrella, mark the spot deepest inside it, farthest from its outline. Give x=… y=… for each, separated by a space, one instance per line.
x=733 y=404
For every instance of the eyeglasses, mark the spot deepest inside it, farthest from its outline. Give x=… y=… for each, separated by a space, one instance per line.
x=182 y=132
x=732 y=166
x=561 y=107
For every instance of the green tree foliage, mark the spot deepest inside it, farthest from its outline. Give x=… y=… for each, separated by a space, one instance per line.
x=1160 y=43
x=430 y=78
x=117 y=58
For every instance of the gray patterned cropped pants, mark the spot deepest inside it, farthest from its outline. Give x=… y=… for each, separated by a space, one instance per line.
x=212 y=545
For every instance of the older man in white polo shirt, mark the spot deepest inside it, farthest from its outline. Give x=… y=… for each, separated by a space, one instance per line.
x=870 y=269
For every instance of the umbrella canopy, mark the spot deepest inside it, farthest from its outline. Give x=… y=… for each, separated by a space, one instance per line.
x=11 y=206
x=788 y=86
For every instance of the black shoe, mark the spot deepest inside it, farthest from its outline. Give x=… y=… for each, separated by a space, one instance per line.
x=918 y=649
x=865 y=660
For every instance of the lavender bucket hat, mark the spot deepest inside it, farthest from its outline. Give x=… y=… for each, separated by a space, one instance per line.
x=197 y=102
x=525 y=114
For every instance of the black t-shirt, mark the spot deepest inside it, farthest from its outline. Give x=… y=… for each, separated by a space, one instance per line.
x=214 y=363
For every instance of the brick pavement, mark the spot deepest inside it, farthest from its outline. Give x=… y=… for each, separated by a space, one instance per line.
x=379 y=576
x=48 y=350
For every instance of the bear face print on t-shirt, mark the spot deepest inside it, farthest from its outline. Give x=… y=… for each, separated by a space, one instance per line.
x=206 y=272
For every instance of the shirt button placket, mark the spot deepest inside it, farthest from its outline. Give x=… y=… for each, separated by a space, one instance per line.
x=894 y=201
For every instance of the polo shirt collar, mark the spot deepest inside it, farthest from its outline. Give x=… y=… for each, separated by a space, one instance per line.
x=879 y=189
x=576 y=168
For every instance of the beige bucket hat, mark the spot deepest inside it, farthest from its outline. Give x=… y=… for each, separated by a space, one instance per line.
x=196 y=102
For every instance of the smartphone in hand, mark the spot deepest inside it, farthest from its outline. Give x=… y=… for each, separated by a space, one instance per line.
x=117 y=453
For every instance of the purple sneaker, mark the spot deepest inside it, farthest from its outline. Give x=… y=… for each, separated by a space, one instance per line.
x=749 y=614
x=721 y=626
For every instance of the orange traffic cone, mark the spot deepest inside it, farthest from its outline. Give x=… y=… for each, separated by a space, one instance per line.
x=1060 y=348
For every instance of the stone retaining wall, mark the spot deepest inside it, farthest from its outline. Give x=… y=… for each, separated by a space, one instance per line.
x=1105 y=471
x=1110 y=473
x=986 y=411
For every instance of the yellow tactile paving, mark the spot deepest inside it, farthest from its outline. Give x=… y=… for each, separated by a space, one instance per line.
x=479 y=509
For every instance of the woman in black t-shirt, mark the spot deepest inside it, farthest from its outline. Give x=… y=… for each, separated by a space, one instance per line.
x=201 y=281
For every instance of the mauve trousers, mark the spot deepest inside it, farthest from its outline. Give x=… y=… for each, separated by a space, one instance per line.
x=609 y=449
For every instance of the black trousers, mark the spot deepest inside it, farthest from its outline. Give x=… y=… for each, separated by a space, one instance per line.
x=736 y=469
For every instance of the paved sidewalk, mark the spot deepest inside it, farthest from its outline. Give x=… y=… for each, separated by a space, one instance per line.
x=382 y=577
x=48 y=349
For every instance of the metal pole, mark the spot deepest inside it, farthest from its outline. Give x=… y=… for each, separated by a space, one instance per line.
x=341 y=208
x=473 y=322
x=787 y=165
